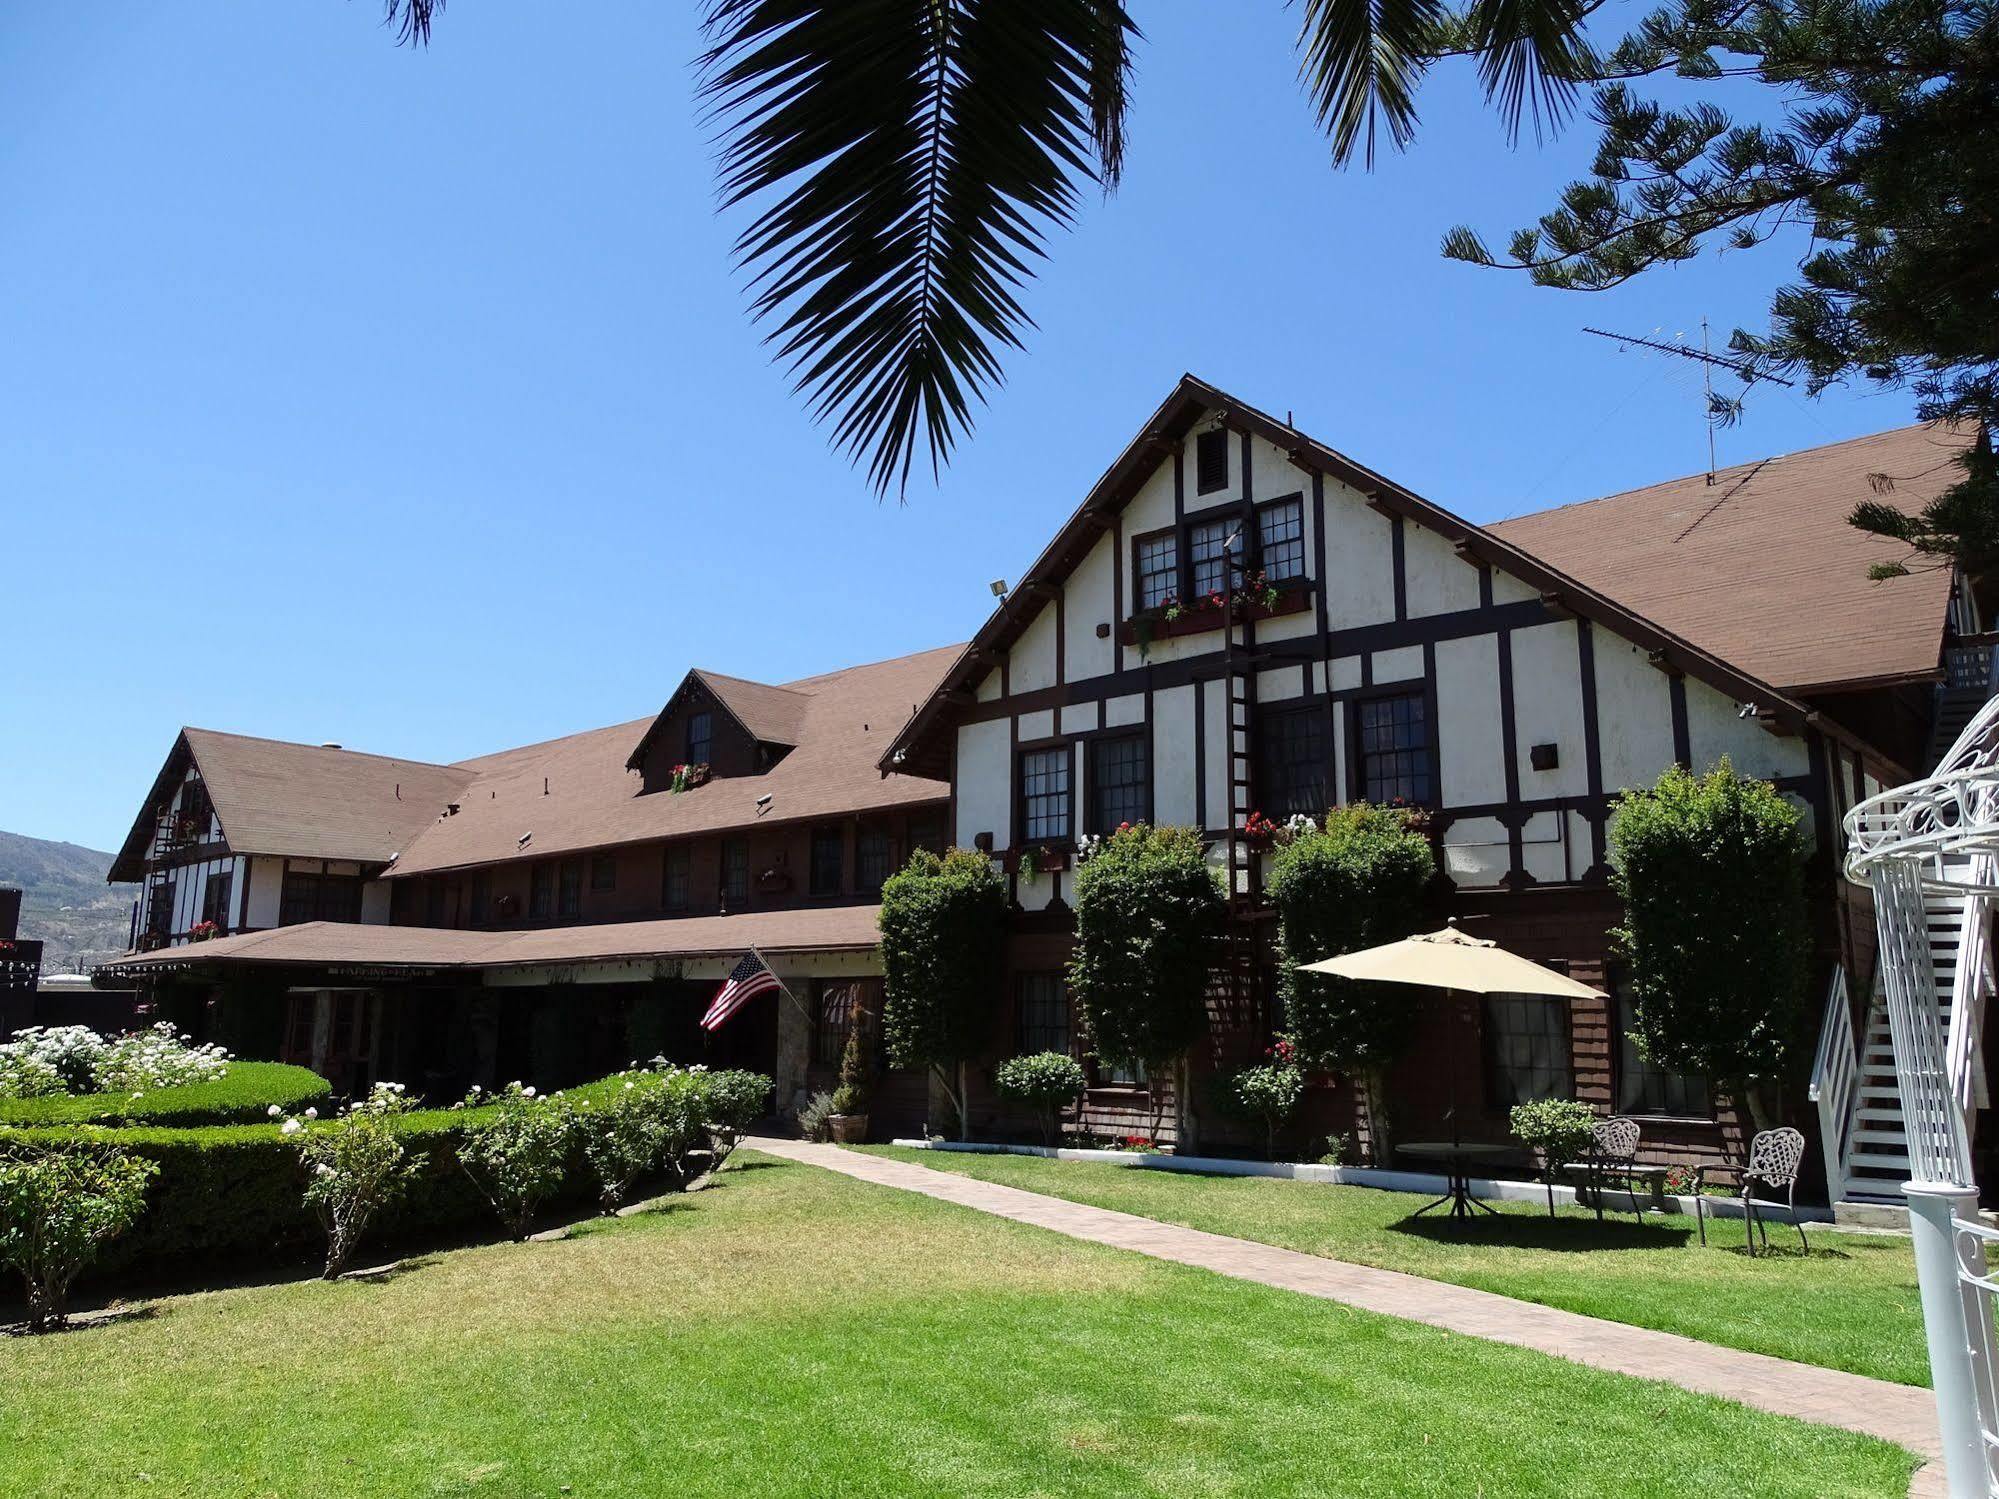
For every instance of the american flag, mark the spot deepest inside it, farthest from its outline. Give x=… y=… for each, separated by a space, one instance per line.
x=745 y=982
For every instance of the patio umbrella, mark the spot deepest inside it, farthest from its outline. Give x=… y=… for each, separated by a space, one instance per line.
x=1451 y=960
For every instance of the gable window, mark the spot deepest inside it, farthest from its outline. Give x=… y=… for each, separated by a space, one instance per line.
x=541 y=891
x=1157 y=566
x=603 y=871
x=1291 y=763
x=569 y=889
x=829 y=855
x=675 y=877
x=215 y=898
x=1393 y=739
x=1120 y=780
x=1208 y=555
x=735 y=871
x=700 y=737
x=872 y=865
x=196 y=812
x=1041 y=1012
x=1280 y=539
x=1211 y=461
x=1526 y=1049
x=1044 y=793
x=1643 y=1086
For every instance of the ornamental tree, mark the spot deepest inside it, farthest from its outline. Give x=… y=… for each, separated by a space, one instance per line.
x=1149 y=910
x=356 y=1165
x=519 y=1156
x=1711 y=869
x=1043 y=1080
x=1358 y=882
x=943 y=953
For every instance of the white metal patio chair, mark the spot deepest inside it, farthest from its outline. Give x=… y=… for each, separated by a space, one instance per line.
x=1775 y=1156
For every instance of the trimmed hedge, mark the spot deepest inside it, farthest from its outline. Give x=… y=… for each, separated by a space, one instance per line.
x=236 y=1190
x=244 y=1095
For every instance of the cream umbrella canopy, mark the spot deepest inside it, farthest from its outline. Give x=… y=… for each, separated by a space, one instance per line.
x=1451 y=960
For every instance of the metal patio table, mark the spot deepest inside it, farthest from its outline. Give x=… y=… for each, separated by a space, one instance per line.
x=1458 y=1159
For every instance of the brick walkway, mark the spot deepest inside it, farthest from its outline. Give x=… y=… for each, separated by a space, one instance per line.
x=1897 y=1413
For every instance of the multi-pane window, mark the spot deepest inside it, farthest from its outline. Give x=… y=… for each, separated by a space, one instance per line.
x=1394 y=747
x=871 y=860
x=1211 y=461
x=1158 y=565
x=160 y=909
x=927 y=830
x=829 y=849
x=196 y=811
x=215 y=898
x=1291 y=763
x=1118 y=782
x=479 y=909
x=433 y=902
x=1042 y=1013
x=700 y=737
x=1044 y=793
x=735 y=871
x=835 y=1018
x=675 y=878
x=569 y=888
x=603 y=871
x=1643 y=1086
x=1281 y=540
x=1526 y=1049
x=541 y=891
x=1207 y=553
x=319 y=897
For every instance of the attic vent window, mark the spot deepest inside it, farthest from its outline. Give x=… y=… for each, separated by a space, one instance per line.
x=1211 y=461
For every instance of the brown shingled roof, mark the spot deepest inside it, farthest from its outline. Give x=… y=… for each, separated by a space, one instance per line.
x=299 y=800
x=845 y=720
x=1761 y=568
x=338 y=943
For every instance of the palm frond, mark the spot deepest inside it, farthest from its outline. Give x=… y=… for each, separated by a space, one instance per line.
x=905 y=159
x=1531 y=56
x=410 y=20
x=1362 y=61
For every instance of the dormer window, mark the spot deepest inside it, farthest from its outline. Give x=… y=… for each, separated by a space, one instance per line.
x=700 y=737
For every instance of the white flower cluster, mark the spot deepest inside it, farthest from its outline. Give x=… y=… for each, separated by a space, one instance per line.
x=1298 y=824
x=46 y=1061
x=1087 y=846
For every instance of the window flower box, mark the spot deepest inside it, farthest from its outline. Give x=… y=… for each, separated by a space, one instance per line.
x=1173 y=619
x=687 y=777
x=202 y=931
x=1038 y=859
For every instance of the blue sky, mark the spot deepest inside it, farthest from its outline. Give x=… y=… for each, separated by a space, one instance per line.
x=406 y=398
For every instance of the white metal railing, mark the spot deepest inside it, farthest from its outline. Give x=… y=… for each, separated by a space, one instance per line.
x=1835 y=1077
x=1971 y=987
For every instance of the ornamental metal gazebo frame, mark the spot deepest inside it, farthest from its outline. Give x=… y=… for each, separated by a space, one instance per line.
x=1940 y=835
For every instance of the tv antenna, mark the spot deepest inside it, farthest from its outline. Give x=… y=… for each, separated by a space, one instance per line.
x=1709 y=361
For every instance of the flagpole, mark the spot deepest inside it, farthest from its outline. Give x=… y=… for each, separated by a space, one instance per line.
x=783 y=988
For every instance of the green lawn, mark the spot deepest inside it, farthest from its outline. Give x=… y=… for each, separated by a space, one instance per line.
x=1850 y=1304
x=794 y=1332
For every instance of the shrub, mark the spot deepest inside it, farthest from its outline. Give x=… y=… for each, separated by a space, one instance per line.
x=1559 y=1128
x=1268 y=1094
x=356 y=1165
x=1044 y=1080
x=857 y=1067
x=943 y=949
x=243 y=1096
x=518 y=1155
x=45 y=1061
x=622 y=1136
x=59 y=1202
x=58 y=1205
x=734 y=1100
x=812 y=1118
x=1357 y=882
x=1711 y=870
x=1148 y=913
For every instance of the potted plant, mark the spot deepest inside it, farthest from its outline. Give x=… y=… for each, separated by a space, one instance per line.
x=848 y=1123
x=201 y=931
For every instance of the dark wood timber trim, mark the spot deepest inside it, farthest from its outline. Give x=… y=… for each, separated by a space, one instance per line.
x=1401 y=573
x=1683 y=751
x=1516 y=870
x=1592 y=734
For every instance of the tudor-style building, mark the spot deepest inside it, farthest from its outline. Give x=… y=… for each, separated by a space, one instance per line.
x=550 y=911
x=1507 y=679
